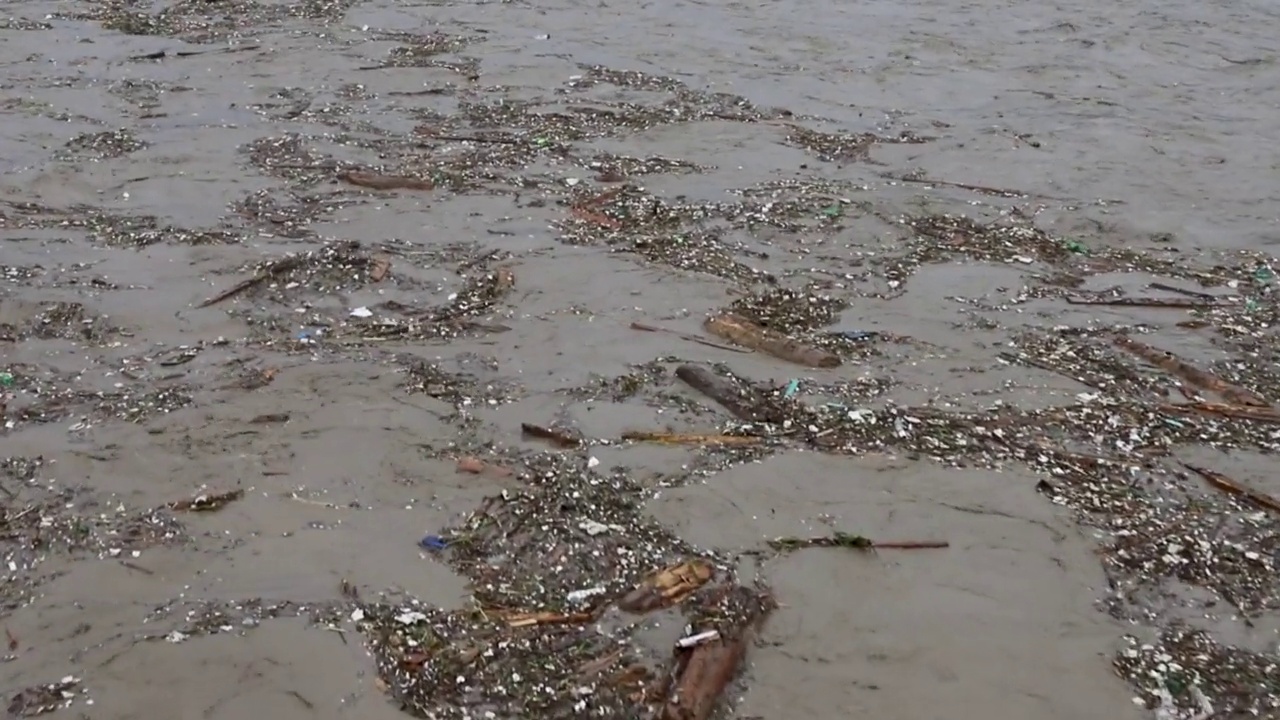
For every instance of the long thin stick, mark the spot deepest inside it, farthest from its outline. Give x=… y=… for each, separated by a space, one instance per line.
x=276 y=268
x=686 y=336
x=1226 y=484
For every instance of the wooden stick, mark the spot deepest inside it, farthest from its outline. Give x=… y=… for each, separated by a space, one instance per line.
x=1172 y=364
x=686 y=336
x=559 y=438
x=703 y=672
x=1184 y=303
x=1240 y=412
x=1226 y=484
x=276 y=268
x=1182 y=291
x=690 y=438
x=719 y=389
x=742 y=331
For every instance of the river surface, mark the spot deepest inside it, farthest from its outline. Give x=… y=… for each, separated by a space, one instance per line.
x=1144 y=126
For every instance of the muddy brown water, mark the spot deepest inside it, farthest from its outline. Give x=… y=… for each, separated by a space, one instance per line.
x=1150 y=125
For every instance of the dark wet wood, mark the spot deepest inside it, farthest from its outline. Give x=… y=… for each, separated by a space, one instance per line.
x=724 y=392
x=1184 y=303
x=559 y=438
x=1202 y=379
x=1227 y=485
x=701 y=674
x=1240 y=412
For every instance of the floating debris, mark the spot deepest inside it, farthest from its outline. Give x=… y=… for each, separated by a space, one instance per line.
x=700 y=672
x=854 y=542
x=668 y=586
x=1183 y=303
x=593 y=528
x=184 y=619
x=1226 y=484
x=43 y=519
x=271 y=270
x=207 y=503
x=1194 y=669
x=670 y=438
x=101 y=146
x=476 y=466
x=563 y=561
x=559 y=438
x=378 y=181
x=686 y=336
x=746 y=333
x=42 y=699
x=744 y=400
x=1190 y=373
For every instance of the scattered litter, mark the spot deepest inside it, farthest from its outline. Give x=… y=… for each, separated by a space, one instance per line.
x=691 y=640
x=433 y=543
x=577 y=596
x=571 y=538
x=42 y=699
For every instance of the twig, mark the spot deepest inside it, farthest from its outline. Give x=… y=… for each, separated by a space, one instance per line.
x=691 y=438
x=1204 y=380
x=1182 y=291
x=854 y=542
x=206 y=503
x=1226 y=484
x=1012 y=358
x=984 y=189
x=305 y=702
x=686 y=336
x=743 y=331
x=430 y=132
x=1240 y=412
x=20 y=515
x=524 y=619
x=162 y=54
x=559 y=438
x=1146 y=302
x=272 y=270
x=139 y=568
